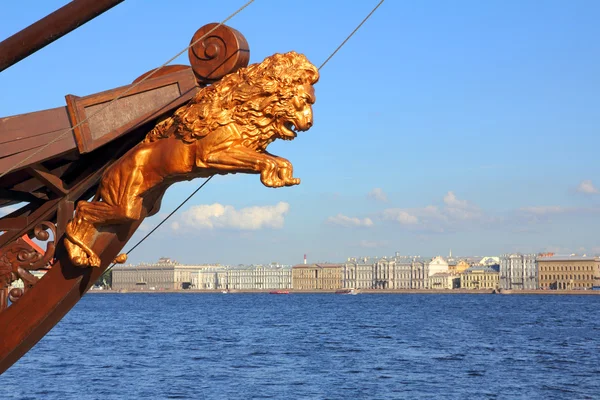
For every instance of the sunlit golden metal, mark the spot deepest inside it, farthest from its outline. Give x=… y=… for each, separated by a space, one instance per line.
x=224 y=129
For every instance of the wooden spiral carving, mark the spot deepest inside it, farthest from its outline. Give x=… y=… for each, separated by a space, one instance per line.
x=18 y=258
x=222 y=52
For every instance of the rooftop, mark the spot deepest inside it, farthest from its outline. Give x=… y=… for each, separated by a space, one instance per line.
x=569 y=258
x=480 y=269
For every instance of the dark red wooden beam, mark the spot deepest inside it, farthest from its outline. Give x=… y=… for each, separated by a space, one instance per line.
x=50 y=28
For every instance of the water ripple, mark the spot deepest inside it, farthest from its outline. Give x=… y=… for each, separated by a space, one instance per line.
x=179 y=346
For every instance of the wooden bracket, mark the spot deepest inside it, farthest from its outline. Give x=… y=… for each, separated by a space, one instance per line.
x=53 y=182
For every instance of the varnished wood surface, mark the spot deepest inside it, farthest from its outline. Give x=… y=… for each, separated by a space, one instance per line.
x=23 y=324
x=23 y=135
x=50 y=28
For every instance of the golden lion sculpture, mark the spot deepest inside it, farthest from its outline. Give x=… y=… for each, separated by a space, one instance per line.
x=224 y=129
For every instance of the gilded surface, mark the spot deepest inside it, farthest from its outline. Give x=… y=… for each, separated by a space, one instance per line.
x=225 y=129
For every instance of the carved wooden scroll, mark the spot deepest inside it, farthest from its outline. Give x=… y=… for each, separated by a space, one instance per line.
x=221 y=52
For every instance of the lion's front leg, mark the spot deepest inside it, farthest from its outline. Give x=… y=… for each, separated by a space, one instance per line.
x=274 y=171
x=285 y=170
x=82 y=229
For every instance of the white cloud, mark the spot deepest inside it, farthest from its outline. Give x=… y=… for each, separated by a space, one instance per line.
x=451 y=200
x=378 y=194
x=370 y=244
x=545 y=210
x=218 y=216
x=544 y=213
x=587 y=187
x=350 y=222
x=460 y=209
x=437 y=219
x=401 y=216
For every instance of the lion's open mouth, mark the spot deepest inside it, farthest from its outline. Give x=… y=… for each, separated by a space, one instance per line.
x=288 y=131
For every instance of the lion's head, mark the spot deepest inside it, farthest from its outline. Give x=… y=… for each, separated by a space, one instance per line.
x=266 y=101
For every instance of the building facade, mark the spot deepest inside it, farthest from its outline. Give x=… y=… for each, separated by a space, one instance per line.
x=437 y=265
x=444 y=280
x=518 y=271
x=244 y=278
x=569 y=273
x=258 y=278
x=162 y=275
x=462 y=266
x=358 y=273
x=479 y=277
x=170 y=275
x=403 y=275
x=383 y=274
x=419 y=275
x=317 y=277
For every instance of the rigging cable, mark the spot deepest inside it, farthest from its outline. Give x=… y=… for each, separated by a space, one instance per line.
x=206 y=181
x=124 y=93
x=351 y=34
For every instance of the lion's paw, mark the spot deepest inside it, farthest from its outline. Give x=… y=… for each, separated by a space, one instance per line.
x=120 y=259
x=94 y=261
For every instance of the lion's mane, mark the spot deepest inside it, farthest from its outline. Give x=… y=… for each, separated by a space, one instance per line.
x=253 y=98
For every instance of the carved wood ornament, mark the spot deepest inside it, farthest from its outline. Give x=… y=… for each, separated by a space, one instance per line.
x=19 y=258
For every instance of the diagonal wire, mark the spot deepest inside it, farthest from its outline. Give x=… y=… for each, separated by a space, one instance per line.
x=351 y=34
x=206 y=181
x=123 y=93
x=170 y=214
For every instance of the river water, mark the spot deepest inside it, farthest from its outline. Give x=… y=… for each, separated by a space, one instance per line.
x=316 y=346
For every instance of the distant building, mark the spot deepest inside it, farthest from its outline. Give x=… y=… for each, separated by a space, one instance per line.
x=518 y=271
x=252 y=277
x=209 y=279
x=489 y=261
x=162 y=275
x=358 y=273
x=437 y=264
x=569 y=272
x=479 y=277
x=397 y=272
x=403 y=272
x=419 y=275
x=444 y=280
x=383 y=273
x=452 y=266
x=258 y=278
x=462 y=266
x=317 y=277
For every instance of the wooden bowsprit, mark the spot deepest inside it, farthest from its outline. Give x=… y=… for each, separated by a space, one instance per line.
x=66 y=152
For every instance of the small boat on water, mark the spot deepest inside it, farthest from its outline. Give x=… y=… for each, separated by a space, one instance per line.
x=279 y=292
x=346 y=291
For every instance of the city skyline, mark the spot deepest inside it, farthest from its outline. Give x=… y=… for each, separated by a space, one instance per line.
x=469 y=136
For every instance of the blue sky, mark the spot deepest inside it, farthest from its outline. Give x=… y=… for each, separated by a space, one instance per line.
x=464 y=125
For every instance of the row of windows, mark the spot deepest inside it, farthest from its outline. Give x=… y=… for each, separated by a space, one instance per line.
x=565 y=285
x=480 y=277
x=570 y=276
x=561 y=268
